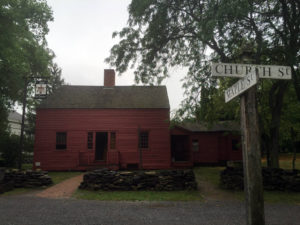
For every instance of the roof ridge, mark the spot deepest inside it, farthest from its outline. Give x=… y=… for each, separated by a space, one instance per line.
x=83 y=96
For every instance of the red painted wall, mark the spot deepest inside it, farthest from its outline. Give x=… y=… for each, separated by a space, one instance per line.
x=214 y=147
x=78 y=122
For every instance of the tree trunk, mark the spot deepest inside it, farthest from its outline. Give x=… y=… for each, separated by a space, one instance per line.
x=293 y=136
x=275 y=102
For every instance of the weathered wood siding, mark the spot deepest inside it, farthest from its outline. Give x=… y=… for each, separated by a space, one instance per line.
x=78 y=122
x=215 y=147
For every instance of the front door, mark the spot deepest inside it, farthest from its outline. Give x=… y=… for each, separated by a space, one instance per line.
x=180 y=148
x=101 y=145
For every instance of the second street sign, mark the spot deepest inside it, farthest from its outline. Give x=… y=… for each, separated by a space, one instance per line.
x=241 y=86
x=240 y=70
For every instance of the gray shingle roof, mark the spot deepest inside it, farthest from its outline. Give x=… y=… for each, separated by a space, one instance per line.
x=206 y=127
x=99 y=97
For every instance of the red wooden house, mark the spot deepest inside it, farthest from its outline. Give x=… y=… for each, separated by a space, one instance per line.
x=201 y=143
x=85 y=127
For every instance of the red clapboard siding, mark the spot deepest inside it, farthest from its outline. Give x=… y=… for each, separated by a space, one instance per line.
x=214 y=147
x=78 y=122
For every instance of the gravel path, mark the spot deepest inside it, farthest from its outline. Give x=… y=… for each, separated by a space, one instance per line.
x=64 y=189
x=25 y=210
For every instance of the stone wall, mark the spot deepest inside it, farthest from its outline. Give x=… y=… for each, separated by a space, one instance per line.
x=28 y=179
x=165 y=180
x=273 y=179
x=5 y=185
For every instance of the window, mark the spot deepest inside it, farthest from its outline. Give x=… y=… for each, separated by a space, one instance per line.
x=195 y=145
x=144 y=139
x=112 y=140
x=235 y=145
x=90 y=140
x=61 y=140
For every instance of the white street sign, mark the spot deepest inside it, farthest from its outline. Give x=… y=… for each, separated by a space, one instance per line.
x=241 y=86
x=240 y=70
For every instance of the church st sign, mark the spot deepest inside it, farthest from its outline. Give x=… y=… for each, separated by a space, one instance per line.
x=240 y=70
x=241 y=86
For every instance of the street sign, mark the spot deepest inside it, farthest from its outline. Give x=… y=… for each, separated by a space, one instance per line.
x=241 y=86
x=240 y=70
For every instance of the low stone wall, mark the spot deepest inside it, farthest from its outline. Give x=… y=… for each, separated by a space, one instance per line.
x=16 y=179
x=273 y=179
x=165 y=180
x=5 y=185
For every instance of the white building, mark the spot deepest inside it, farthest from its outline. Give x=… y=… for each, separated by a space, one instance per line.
x=14 y=122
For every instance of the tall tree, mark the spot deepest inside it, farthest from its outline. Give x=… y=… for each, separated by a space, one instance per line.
x=164 y=33
x=54 y=81
x=23 y=47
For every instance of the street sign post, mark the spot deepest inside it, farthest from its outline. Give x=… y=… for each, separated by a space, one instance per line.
x=250 y=74
x=241 y=70
x=241 y=86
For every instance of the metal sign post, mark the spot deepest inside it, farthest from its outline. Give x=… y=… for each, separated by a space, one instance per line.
x=250 y=74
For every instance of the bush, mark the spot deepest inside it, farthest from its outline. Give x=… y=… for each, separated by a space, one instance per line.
x=9 y=145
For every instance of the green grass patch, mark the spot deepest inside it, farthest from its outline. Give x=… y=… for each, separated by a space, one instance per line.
x=21 y=191
x=282 y=197
x=17 y=191
x=27 y=166
x=58 y=177
x=210 y=174
x=285 y=161
x=139 y=195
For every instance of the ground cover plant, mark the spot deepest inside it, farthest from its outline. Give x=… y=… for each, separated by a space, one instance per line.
x=56 y=177
x=212 y=176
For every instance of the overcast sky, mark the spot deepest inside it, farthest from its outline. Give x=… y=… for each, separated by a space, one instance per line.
x=81 y=37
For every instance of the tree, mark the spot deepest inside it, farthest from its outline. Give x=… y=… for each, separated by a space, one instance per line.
x=23 y=47
x=54 y=82
x=164 y=33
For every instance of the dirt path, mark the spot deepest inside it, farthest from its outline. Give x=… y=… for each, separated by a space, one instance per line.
x=64 y=189
x=211 y=192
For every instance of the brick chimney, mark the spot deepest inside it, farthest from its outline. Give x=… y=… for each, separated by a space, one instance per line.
x=109 y=78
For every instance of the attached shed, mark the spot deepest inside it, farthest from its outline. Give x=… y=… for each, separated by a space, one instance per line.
x=203 y=143
x=86 y=127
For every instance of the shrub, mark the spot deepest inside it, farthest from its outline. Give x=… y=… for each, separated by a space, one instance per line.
x=9 y=145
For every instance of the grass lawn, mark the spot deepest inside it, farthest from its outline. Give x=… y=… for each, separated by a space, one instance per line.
x=286 y=161
x=27 y=166
x=58 y=177
x=20 y=191
x=212 y=175
x=139 y=195
x=209 y=174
